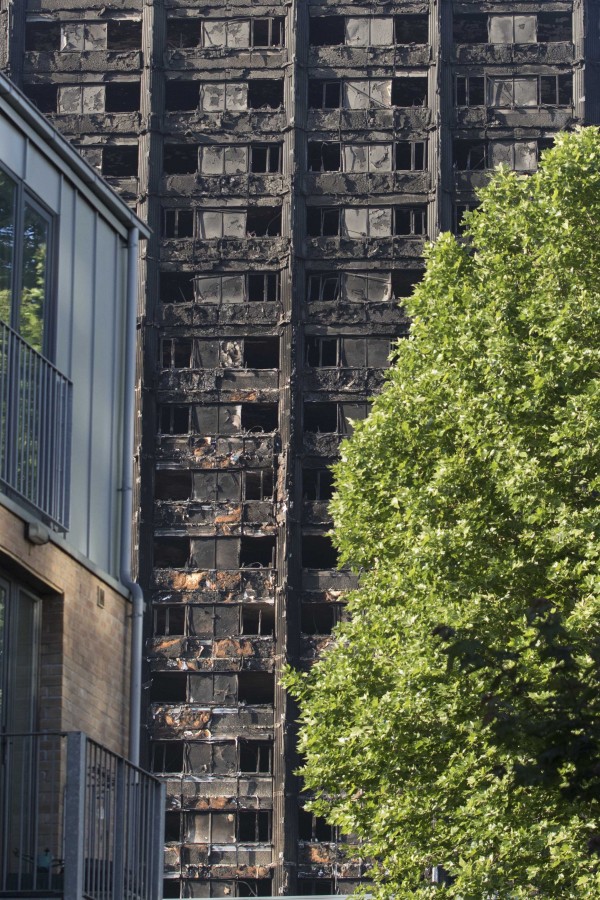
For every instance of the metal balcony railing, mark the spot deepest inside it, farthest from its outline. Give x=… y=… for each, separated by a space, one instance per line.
x=35 y=428
x=77 y=821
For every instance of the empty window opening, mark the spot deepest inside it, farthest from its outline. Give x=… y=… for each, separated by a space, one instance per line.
x=257 y=552
x=178 y=223
x=44 y=96
x=318 y=618
x=171 y=552
x=258 y=619
x=410 y=156
x=267 y=33
x=258 y=417
x=183 y=33
x=261 y=353
x=265 y=93
x=263 y=221
x=263 y=287
x=181 y=96
x=317 y=484
x=172 y=484
x=410 y=220
x=176 y=353
x=324 y=94
x=324 y=156
x=176 y=287
x=167 y=758
x=321 y=351
x=123 y=34
x=255 y=887
x=180 y=159
x=403 y=282
x=42 y=36
x=258 y=484
x=323 y=288
x=318 y=552
x=174 y=419
x=265 y=158
x=316 y=887
x=123 y=96
x=254 y=826
x=322 y=221
x=321 y=418
x=470 y=90
x=168 y=687
x=408 y=91
x=173 y=829
x=554 y=26
x=119 y=161
x=169 y=620
x=469 y=155
x=327 y=31
x=314 y=828
x=556 y=90
x=255 y=757
x=544 y=144
x=171 y=888
x=412 y=29
x=471 y=29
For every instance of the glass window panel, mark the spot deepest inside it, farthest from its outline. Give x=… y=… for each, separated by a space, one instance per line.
x=34 y=277
x=72 y=36
x=212 y=97
x=381 y=93
x=353 y=352
x=355 y=287
x=236 y=160
x=196 y=829
x=204 y=486
x=356 y=158
x=382 y=32
x=7 y=238
x=501 y=29
x=234 y=224
x=525 y=91
x=205 y=419
x=210 y=224
x=525 y=29
x=229 y=486
x=228 y=553
x=501 y=92
x=238 y=34
x=378 y=350
x=233 y=289
x=526 y=156
x=380 y=158
x=208 y=289
x=215 y=33
x=354 y=223
x=357 y=31
x=380 y=222
x=356 y=94
x=501 y=153
x=230 y=419
x=211 y=160
x=379 y=288
x=237 y=96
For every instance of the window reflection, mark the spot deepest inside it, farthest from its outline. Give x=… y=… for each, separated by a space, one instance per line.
x=7 y=238
x=34 y=277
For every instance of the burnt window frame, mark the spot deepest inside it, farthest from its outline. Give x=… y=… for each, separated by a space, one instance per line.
x=167 y=413
x=313 y=148
x=414 y=153
x=399 y=43
x=106 y=153
x=264 y=613
x=318 y=343
x=415 y=211
x=263 y=826
x=325 y=85
x=477 y=154
x=267 y=487
x=177 y=212
x=271 y=150
x=161 y=619
x=323 y=212
x=469 y=90
x=121 y=84
x=264 y=749
x=323 y=279
x=323 y=493
x=51 y=26
x=168 y=348
x=275 y=23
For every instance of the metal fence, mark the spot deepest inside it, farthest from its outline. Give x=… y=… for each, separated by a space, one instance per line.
x=35 y=427
x=77 y=821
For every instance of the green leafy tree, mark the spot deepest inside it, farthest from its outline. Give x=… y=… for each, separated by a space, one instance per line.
x=455 y=722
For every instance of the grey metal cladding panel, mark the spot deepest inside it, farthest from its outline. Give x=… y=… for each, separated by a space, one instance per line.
x=42 y=177
x=81 y=356
x=106 y=399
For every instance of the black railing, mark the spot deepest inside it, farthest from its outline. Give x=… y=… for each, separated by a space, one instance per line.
x=77 y=821
x=35 y=428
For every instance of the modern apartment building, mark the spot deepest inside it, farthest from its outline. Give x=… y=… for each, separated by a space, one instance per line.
x=77 y=818
x=291 y=159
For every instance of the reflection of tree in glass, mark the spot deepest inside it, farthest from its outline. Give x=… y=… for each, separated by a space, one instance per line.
x=7 y=231
x=34 y=277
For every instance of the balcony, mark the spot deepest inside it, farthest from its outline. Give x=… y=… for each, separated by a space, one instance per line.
x=77 y=821
x=35 y=428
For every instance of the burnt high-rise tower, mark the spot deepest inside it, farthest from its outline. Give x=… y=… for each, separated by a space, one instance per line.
x=291 y=158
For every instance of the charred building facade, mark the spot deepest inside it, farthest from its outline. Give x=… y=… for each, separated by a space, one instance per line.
x=291 y=158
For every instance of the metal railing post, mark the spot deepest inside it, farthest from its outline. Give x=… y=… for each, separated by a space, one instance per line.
x=158 y=839
x=75 y=816
x=120 y=834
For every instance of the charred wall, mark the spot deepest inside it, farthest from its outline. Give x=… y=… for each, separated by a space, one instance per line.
x=292 y=159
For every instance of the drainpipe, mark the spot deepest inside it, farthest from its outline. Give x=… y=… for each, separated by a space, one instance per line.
x=137 y=596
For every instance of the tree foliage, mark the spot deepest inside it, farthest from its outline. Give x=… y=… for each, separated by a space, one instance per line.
x=456 y=719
